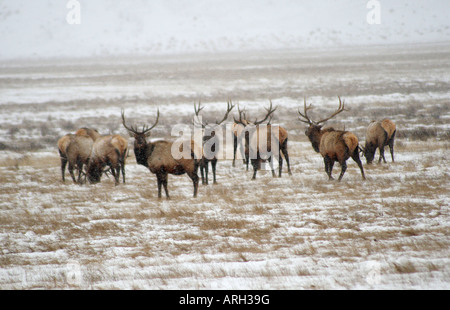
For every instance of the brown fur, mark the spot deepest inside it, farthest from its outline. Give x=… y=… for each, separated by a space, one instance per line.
x=242 y=133
x=93 y=133
x=157 y=157
x=108 y=151
x=283 y=135
x=378 y=135
x=389 y=127
x=78 y=152
x=256 y=144
x=334 y=145
x=63 y=144
x=210 y=141
x=160 y=161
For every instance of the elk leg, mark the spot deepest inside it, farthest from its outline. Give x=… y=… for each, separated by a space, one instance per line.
x=381 y=155
x=391 y=146
x=286 y=156
x=255 y=163
x=328 y=166
x=194 y=177
x=71 y=172
x=113 y=172
x=63 y=167
x=213 y=166
x=280 y=165
x=391 y=149
x=343 y=168
x=158 y=178
x=80 y=170
x=164 y=183
x=356 y=158
x=206 y=171
x=117 y=176
x=202 y=170
x=234 y=149
x=271 y=165
x=122 y=167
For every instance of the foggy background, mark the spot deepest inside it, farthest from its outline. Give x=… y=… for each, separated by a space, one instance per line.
x=38 y=29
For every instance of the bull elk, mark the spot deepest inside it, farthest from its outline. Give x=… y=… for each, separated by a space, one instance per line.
x=211 y=142
x=109 y=151
x=75 y=149
x=378 y=135
x=157 y=157
x=260 y=137
x=333 y=145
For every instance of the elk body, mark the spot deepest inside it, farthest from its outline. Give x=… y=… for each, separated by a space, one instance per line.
x=259 y=137
x=333 y=145
x=75 y=149
x=211 y=142
x=378 y=135
x=157 y=157
x=109 y=151
x=93 y=133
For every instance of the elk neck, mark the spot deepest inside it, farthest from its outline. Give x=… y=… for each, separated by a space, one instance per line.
x=315 y=134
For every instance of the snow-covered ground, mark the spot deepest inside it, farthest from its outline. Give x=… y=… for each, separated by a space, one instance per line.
x=294 y=232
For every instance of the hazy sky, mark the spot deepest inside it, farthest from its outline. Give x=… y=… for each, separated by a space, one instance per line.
x=40 y=28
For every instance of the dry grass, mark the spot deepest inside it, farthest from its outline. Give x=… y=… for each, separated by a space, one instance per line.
x=350 y=221
x=299 y=231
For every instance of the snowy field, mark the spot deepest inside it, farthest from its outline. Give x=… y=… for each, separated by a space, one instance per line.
x=294 y=232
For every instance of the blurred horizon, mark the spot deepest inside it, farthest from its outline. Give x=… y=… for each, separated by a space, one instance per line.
x=39 y=29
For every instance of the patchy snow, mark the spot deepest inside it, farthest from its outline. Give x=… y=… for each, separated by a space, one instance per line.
x=293 y=232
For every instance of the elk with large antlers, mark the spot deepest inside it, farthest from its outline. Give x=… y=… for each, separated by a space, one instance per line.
x=333 y=145
x=378 y=135
x=259 y=139
x=210 y=141
x=157 y=157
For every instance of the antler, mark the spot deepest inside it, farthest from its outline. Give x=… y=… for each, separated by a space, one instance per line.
x=270 y=110
x=197 y=110
x=339 y=110
x=242 y=121
x=134 y=130
x=230 y=107
x=308 y=120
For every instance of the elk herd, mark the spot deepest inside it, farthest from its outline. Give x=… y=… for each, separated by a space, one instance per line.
x=256 y=141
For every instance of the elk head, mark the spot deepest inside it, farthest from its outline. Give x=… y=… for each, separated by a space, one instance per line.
x=202 y=124
x=245 y=122
x=313 y=132
x=140 y=142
